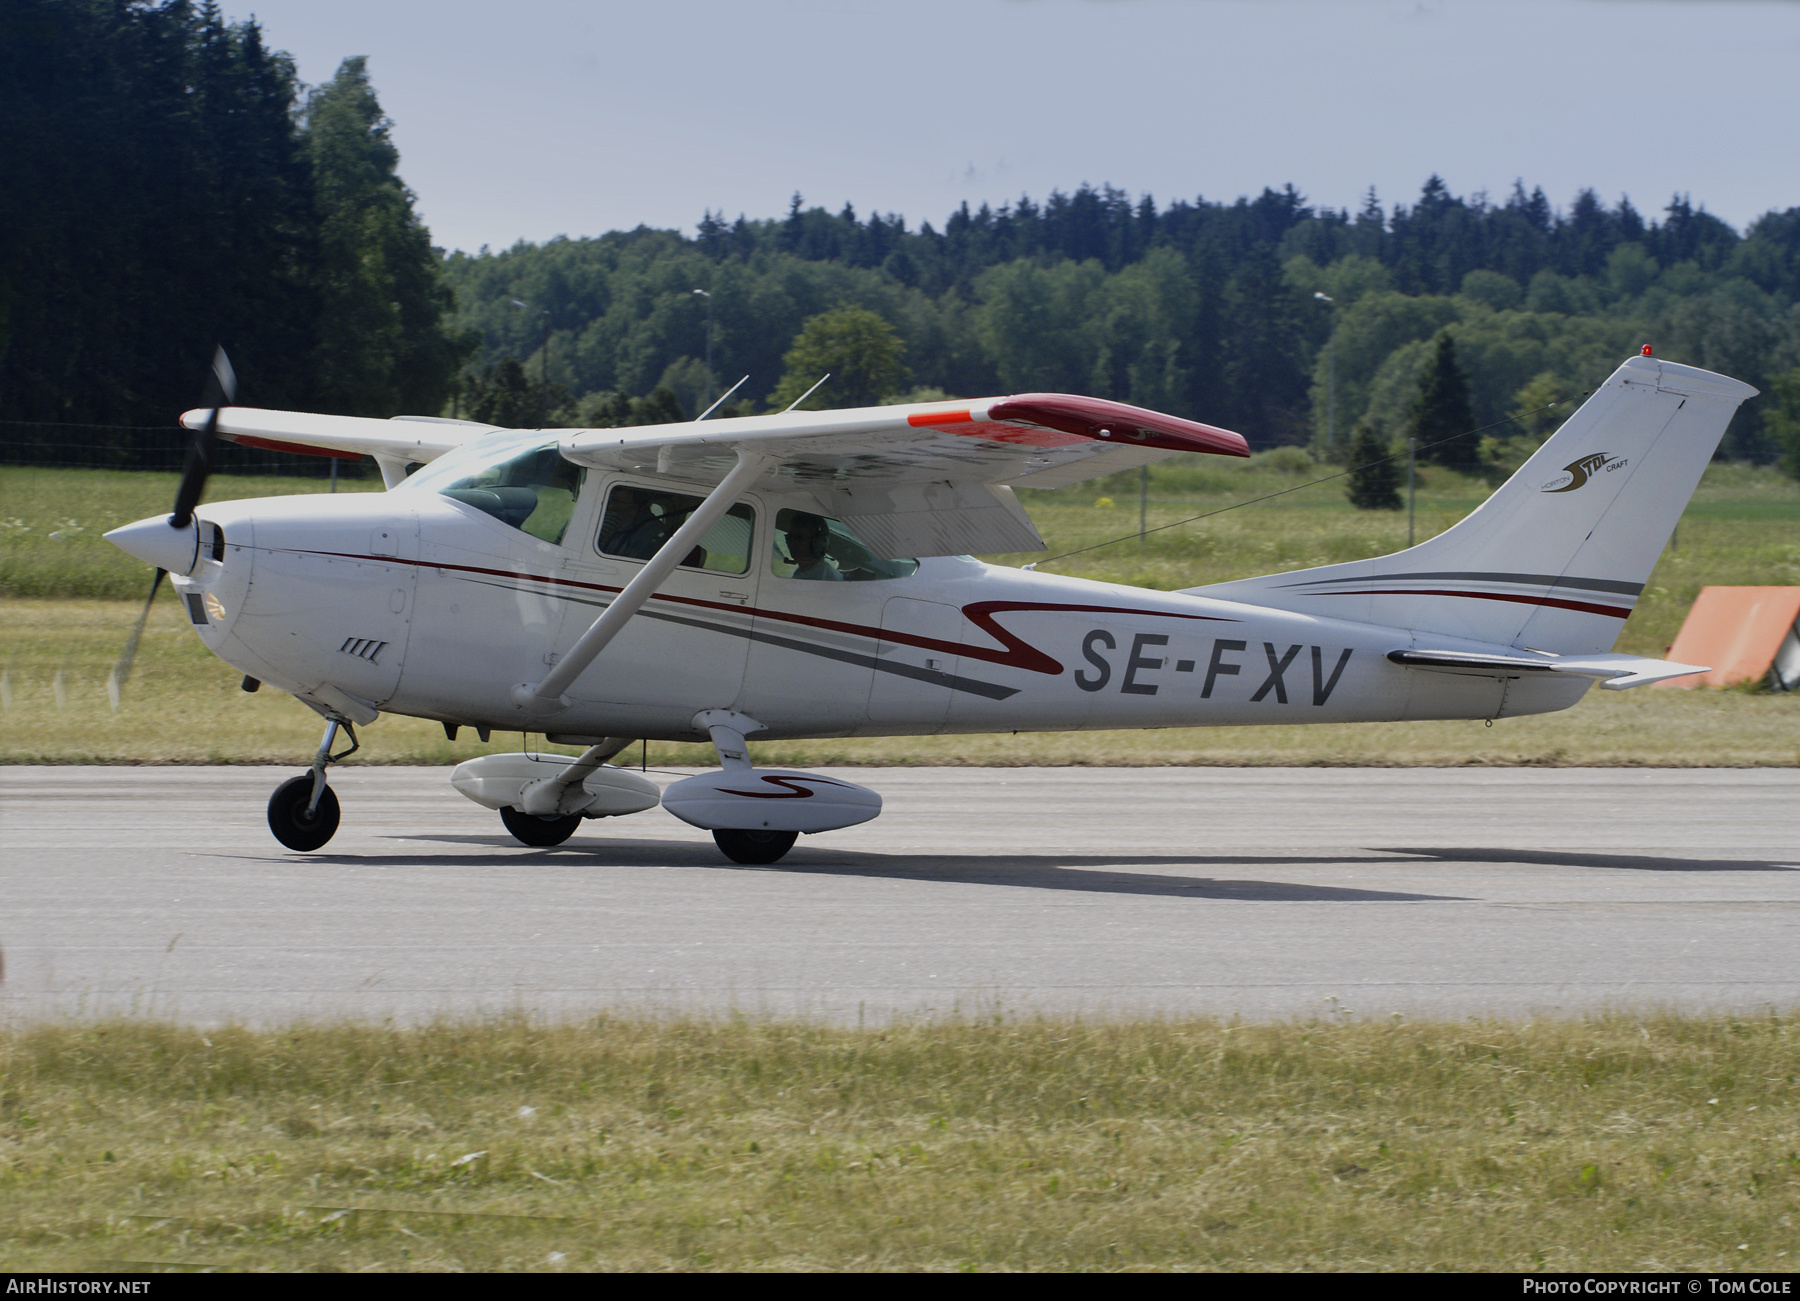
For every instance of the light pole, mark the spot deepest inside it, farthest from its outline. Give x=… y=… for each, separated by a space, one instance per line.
x=1143 y=502
x=1330 y=372
x=1412 y=455
x=544 y=365
x=709 y=381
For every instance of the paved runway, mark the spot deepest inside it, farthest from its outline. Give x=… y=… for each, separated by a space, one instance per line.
x=1248 y=892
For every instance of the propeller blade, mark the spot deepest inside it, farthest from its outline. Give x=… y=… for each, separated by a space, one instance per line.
x=115 y=681
x=221 y=384
x=221 y=390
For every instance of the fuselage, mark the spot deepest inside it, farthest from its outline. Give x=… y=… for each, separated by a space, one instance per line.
x=417 y=603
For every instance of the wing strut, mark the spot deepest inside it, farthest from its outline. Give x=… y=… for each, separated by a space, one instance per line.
x=547 y=696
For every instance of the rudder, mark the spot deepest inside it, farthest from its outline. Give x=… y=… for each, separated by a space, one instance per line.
x=1556 y=558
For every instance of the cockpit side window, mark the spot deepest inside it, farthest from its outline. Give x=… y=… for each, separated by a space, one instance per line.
x=818 y=549
x=534 y=490
x=639 y=520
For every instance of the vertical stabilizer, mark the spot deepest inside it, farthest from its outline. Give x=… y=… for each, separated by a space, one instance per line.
x=1556 y=558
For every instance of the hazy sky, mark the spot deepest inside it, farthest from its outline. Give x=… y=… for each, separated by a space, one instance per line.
x=534 y=118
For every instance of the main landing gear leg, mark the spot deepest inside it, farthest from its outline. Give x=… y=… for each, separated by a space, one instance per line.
x=537 y=819
x=747 y=846
x=303 y=811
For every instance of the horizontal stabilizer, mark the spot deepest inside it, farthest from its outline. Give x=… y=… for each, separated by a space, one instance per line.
x=1616 y=672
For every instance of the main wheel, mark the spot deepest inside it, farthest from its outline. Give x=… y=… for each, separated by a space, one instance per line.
x=538 y=832
x=755 y=847
x=288 y=818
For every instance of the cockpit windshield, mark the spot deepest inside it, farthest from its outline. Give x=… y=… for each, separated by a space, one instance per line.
x=519 y=479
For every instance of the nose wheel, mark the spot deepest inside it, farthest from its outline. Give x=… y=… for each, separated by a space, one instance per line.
x=303 y=811
x=296 y=821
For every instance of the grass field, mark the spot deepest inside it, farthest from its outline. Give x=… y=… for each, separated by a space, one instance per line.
x=1649 y=1144
x=66 y=603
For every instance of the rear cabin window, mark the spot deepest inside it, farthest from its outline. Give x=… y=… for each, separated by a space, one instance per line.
x=809 y=546
x=639 y=520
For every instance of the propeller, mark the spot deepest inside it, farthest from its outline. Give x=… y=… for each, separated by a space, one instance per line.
x=221 y=389
x=115 y=681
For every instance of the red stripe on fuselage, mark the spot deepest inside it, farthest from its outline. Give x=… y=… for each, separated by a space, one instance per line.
x=1017 y=653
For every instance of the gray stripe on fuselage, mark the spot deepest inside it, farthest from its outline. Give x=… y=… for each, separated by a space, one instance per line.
x=971 y=686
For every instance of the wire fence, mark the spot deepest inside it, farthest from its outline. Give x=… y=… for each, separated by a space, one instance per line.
x=153 y=447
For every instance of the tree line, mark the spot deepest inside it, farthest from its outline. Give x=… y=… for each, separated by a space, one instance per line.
x=170 y=185
x=1289 y=322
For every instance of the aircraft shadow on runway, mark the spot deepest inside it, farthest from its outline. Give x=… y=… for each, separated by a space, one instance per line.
x=1065 y=872
x=1076 y=872
x=1573 y=858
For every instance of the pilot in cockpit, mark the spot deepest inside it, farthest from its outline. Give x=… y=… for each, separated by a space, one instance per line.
x=631 y=527
x=807 y=535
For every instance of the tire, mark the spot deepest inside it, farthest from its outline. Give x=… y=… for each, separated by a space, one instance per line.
x=539 y=833
x=287 y=814
x=754 y=848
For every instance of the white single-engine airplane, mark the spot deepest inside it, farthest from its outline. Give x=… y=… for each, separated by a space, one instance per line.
x=803 y=575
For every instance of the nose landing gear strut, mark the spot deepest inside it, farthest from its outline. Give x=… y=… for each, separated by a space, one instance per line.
x=303 y=811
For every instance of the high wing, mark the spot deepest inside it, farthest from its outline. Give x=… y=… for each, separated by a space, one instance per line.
x=394 y=444
x=921 y=479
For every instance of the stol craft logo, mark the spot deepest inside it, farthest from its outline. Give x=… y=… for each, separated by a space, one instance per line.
x=1579 y=472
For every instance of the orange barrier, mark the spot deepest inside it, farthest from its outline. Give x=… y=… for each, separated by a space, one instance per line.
x=1743 y=633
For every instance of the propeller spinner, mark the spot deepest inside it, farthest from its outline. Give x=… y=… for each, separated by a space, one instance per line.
x=173 y=545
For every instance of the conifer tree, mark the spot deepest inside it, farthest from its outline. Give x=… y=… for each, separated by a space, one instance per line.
x=385 y=346
x=661 y=407
x=1442 y=419
x=155 y=203
x=607 y=409
x=502 y=395
x=1375 y=472
x=505 y=394
x=615 y=410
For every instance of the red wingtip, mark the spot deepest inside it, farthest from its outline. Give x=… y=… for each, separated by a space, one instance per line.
x=1117 y=422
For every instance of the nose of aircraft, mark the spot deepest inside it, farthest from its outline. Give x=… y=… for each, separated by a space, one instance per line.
x=156 y=542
